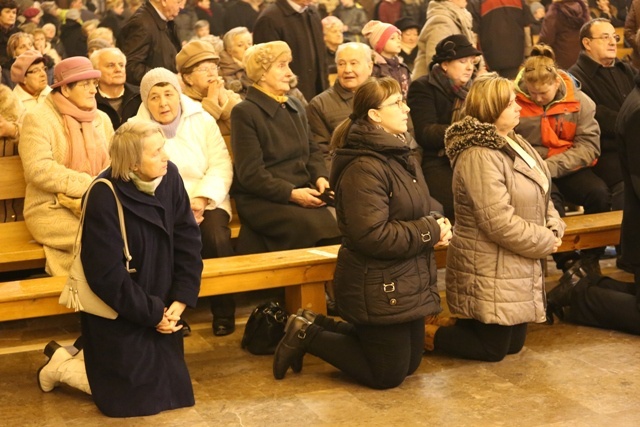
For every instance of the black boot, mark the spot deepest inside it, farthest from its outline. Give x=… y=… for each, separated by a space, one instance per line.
x=591 y=265
x=291 y=348
x=560 y=296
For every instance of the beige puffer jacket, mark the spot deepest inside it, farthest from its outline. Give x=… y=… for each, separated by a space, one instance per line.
x=505 y=226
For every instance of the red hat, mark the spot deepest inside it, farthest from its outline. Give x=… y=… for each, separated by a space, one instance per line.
x=72 y=70
x=31 y=12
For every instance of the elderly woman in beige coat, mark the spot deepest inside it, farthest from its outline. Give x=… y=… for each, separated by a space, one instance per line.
x=63 y=146
x=444 y=18
x=505 y=226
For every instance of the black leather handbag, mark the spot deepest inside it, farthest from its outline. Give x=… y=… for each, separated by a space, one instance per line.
x=265 y=328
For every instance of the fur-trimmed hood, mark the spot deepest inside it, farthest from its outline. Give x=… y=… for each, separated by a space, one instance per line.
x=470 y=132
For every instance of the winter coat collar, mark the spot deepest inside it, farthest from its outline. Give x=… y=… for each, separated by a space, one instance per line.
x=268 y=104
x=470 y=132
x=365 y=139
x=592 y=67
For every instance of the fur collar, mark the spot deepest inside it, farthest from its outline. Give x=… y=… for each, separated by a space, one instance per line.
x=469 y=132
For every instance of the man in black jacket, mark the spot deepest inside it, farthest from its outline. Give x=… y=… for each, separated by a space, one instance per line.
x=607 y=81
x=297 y=24
x=118 y=99
x=149 y=39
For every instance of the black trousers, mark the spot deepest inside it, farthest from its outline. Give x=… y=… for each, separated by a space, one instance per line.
x=608 y=304
x=439 y=176
x=216 y=243
x=379 y=357
x=472 y=339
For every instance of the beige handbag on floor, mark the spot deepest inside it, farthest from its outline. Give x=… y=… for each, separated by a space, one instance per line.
x=77 y=293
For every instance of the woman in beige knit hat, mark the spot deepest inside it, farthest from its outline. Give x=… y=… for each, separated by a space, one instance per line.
x=280 y=175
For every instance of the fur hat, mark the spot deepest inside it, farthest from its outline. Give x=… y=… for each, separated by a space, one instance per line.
x=453 y=47
x=155 y=76
x=405 y=23
x=378 y=33
x=194 y=52
x=72 y=70
x=22 y=63
x=259 y=58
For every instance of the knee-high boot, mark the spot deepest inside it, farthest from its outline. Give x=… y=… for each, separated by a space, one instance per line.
x=63 y=368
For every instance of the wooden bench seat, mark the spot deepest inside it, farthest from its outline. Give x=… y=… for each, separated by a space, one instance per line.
x=302 y=272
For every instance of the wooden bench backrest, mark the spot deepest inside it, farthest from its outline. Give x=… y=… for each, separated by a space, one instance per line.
x=12 y=184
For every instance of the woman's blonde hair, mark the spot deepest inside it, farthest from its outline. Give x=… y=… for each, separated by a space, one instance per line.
x=127 y=145
x=370 y=95
x=488 y=97
x=540 y=67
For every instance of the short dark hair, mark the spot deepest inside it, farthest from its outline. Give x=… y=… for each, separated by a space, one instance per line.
x=585 y=31
x=8 y=4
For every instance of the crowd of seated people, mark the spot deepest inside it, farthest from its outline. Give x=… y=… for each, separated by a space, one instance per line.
x=59 y=112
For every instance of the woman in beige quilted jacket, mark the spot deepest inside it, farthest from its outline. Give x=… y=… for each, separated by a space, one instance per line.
x=505 y=226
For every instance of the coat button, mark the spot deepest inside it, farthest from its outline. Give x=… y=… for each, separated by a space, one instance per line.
x=415 y=180
x=393 y=301
x=283 y=106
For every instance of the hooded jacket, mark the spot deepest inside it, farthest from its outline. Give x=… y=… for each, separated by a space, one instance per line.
x=443 y=19
x=505 y=225
x=561 y=30
x=386 y=271
x=565 y=133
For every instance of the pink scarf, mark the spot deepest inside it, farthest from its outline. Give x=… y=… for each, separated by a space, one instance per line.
x=87 y=151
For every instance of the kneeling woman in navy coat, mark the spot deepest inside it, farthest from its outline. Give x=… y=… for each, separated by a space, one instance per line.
x=135 y=364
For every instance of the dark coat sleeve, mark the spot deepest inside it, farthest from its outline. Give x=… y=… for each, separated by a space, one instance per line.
x=104 y=265
x=429 y=130
x=135 y=43
x=187 y=248
x=249 y=168
x=363 y=199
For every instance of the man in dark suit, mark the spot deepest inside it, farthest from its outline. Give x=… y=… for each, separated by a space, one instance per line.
x=149 y=39
x=297 y=24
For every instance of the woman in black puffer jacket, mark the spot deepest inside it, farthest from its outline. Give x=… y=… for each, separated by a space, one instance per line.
x=385 y=279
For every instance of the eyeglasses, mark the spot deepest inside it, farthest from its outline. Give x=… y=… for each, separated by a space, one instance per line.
x=399 y=103
x=208 y=69
x=607 y=37
x=37 y=70
x=88 y=84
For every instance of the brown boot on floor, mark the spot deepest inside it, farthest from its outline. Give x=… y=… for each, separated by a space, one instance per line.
x=440 y=320
x=430 y=336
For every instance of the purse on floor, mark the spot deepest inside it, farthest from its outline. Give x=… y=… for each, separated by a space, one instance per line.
x=77 y=293
x=265 y=328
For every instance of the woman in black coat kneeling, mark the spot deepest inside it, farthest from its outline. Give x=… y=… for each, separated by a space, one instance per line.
x=135 y=363
x=385 y=278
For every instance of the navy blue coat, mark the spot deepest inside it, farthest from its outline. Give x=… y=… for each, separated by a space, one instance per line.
x=133 y=370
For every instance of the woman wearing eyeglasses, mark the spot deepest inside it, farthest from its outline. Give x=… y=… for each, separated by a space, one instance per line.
x=197 y=63
x=195 y=145
x=436 y=101
x=385 y=280
x=29 y=73
x=505 y=227
x=558 y=120
x=63 y=146
x=561 y=29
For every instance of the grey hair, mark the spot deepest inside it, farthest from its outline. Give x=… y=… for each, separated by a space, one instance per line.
x=96 y=55
x=366 y=50
x=227 y=40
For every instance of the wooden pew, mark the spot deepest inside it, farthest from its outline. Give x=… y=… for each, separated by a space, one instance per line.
x=302 y=272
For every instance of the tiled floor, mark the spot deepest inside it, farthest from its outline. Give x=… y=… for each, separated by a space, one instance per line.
x=566 y=376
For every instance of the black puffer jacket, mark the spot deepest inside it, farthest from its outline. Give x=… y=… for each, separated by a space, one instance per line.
x=386 y=271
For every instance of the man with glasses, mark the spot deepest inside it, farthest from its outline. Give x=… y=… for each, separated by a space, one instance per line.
x=29 y=73
x=117 y=98
x=149 y=39
x=607 y=81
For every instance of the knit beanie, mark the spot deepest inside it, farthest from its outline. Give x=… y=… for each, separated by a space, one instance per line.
x=378 y=33
x=259 y=58
x=155 y=76
x=22 y=64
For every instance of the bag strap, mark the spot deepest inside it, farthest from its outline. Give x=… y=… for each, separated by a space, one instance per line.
x=123 y=229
